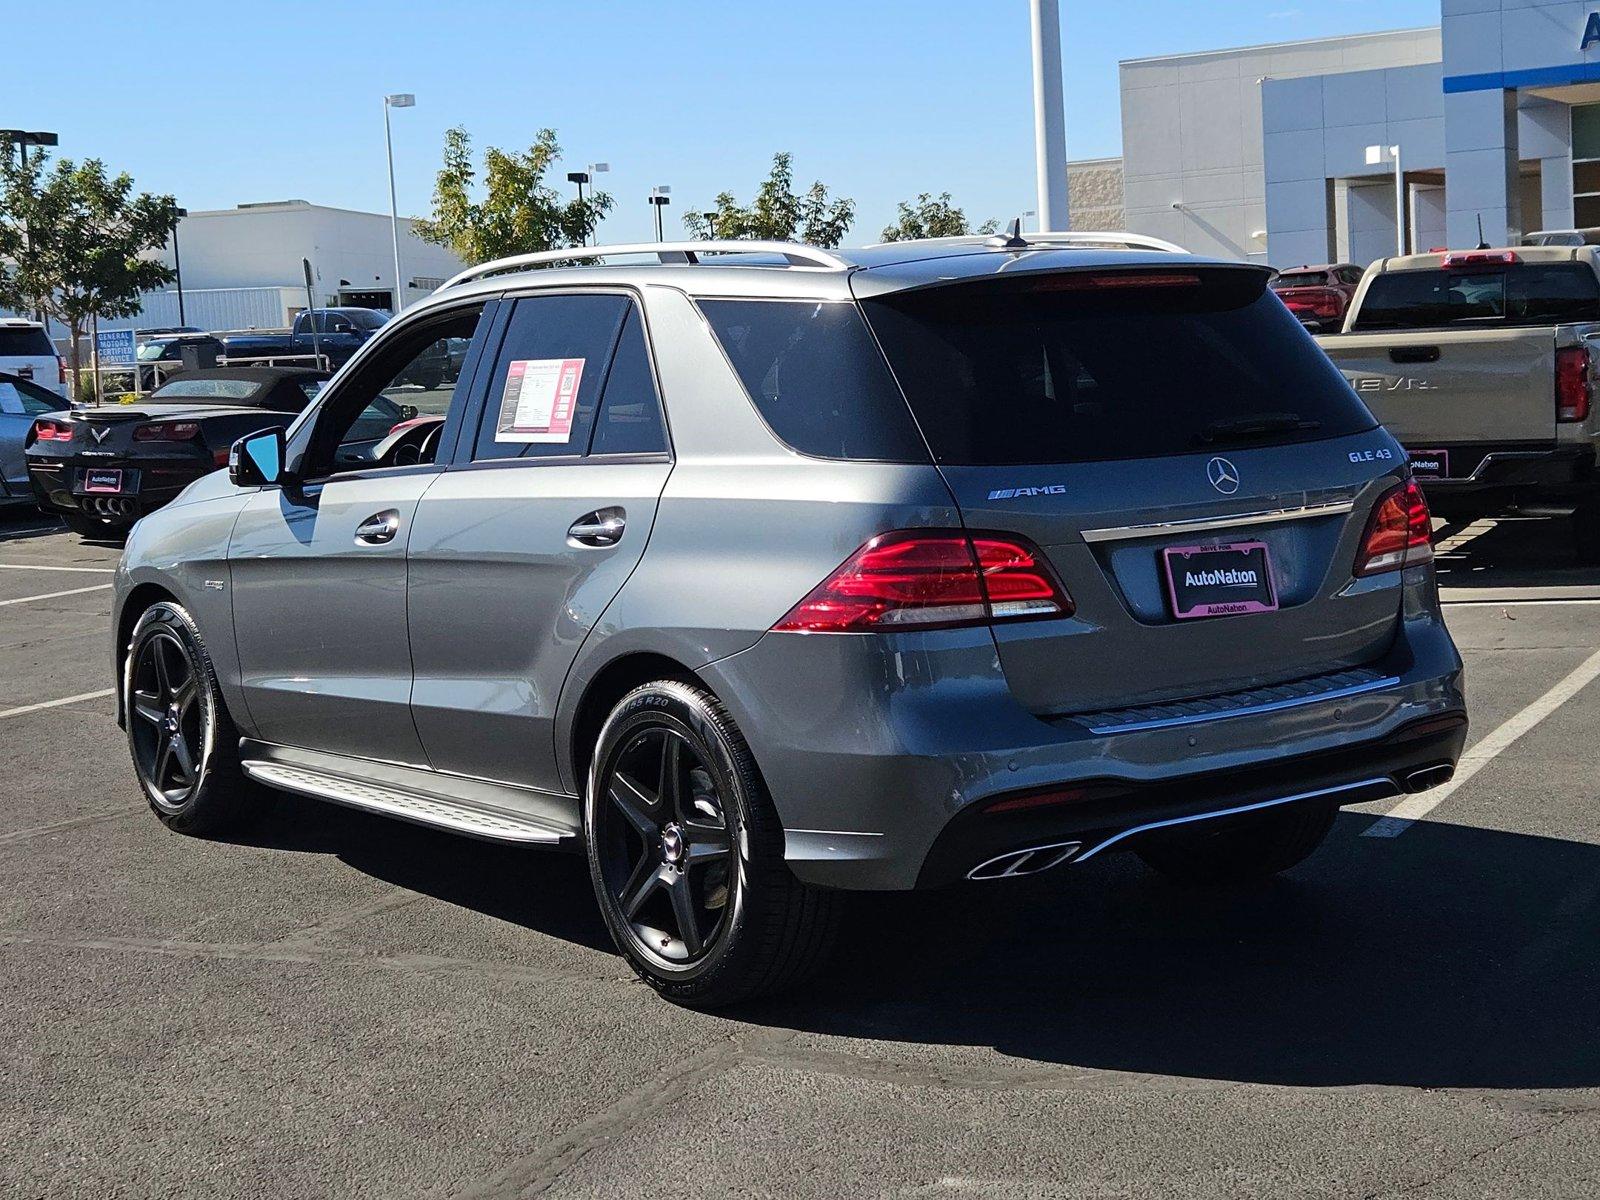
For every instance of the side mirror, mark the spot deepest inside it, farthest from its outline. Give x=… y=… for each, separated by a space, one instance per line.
x=256 y=460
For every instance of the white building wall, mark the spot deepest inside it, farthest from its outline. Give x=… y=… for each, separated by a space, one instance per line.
x=1195 y=139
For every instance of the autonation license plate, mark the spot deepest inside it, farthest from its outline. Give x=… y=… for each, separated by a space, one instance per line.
x=1429 y=464
x=102 y=480
x=1220 y=579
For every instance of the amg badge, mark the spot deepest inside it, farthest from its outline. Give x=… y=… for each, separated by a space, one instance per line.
x=1049 y=489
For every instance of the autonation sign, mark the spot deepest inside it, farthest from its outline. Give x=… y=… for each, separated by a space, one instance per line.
x=1591 y=31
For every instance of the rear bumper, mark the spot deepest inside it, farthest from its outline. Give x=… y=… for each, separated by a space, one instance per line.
x=1496 y=476
x=150 y=485
x=881 y=753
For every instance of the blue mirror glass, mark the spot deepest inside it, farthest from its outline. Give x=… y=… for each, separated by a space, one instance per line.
x=264 y=456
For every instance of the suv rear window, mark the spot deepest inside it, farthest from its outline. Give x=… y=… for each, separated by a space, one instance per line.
x=1526 y=294
x=26 y=342
x=1300 y=279
x=817 y=379
x=1058 y=368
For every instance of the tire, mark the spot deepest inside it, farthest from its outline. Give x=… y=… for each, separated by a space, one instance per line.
x=706 y=848
x=1586 y=532
x=1270 y=842
x=431 y=379
x=169 y=691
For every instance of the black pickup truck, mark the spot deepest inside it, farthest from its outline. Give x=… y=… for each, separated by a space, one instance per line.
x=339 y=333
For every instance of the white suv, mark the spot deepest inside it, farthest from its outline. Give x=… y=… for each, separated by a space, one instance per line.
x=26 y=350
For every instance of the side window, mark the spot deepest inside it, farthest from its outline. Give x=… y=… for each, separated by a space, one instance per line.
x=630 y=420
x=548 y=376
x=410 y=379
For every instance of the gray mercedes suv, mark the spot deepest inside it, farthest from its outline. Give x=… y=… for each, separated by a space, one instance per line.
x=760 y=573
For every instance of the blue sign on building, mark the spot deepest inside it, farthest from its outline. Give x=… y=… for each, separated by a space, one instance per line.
x=115 y=347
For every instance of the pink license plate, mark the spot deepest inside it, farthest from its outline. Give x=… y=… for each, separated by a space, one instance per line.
x=1220 y=579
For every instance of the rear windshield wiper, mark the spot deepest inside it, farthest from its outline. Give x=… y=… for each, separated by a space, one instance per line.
x=1260 y=425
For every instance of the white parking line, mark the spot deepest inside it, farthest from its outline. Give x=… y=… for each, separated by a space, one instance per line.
x=45 y=567
x=1403 y=815
x=99 y=587
x=78 y=699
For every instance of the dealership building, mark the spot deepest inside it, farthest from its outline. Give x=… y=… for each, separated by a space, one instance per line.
x=1265 y=152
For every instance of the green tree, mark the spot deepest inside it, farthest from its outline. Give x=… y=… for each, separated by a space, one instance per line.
x=931 y=216
x=92 y=238
x=518 y=212
x=779 y=213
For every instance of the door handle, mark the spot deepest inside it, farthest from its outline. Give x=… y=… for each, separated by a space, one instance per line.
x=379 y=528
x=603 y=527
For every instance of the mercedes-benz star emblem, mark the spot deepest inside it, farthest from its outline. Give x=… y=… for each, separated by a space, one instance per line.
x=1224 y=476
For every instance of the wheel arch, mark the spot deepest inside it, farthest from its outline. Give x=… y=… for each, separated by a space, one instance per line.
x=600 y=695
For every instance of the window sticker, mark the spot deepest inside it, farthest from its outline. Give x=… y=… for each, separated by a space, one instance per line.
x=539 y=399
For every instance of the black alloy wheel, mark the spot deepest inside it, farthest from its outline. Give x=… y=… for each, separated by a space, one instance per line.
x=664 y=846
x=166 y=721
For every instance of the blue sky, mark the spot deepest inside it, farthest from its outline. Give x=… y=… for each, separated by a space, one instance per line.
x=225 y=102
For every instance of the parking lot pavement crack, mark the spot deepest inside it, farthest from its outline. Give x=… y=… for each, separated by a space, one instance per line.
x=539 y=1171
x=421 y=964
x=395 y=898
x=1477 y=1156
x=33 y=831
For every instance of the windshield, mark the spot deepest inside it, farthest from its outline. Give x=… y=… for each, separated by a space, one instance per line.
x=1079 y=367
x=151 y=351
x=207 y=391
x=1522 y=294
x=362 y=318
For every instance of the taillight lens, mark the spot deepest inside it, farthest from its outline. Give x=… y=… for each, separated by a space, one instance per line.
x=167 y=431
x=1572 y=384
x=1399 y=533
x=915 y=579
x=51 y=431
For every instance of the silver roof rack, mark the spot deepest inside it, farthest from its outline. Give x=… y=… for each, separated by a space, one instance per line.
x=1032 y=241
x=794 y=254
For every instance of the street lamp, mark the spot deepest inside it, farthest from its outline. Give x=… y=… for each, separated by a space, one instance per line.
x=398 y=100
x=22 y=139
x=660 y=197
x=177 y=263
x=587 y=176
x=1380 y=154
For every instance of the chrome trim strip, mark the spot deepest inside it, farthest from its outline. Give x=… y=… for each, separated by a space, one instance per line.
x=1065 y=851
x=1267 y=517
x=1253 y=710
x=1243 y=808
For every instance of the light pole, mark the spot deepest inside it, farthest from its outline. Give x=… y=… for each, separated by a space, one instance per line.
x=1049 y=119
x=1379 y=154
x=659 y=198
x=587 y=176
x=22 y=139
x=178 y=214
x=398 y=100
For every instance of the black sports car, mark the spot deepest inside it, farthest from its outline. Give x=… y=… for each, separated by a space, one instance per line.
x=102 y=468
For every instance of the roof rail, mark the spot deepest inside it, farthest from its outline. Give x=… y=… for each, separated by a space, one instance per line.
x=1133 y=241
x=795 y=254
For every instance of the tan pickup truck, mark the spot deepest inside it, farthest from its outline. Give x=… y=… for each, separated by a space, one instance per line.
x=1483 y=363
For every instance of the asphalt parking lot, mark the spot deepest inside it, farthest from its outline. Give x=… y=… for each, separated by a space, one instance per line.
x=336 y=1005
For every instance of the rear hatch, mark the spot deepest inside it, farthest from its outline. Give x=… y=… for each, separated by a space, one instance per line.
x=1196 y=473
x=26 y=351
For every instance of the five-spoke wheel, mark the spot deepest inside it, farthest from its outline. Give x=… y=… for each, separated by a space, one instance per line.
x=165 y=719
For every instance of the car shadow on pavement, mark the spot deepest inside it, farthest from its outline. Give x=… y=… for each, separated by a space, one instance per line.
x=1515 y=552
x=1447 y=957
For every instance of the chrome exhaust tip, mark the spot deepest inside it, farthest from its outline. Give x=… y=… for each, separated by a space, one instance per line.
x=1428 y=777
x=1031 y=861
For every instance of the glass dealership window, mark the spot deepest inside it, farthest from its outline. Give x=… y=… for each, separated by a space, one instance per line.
x=1586 y=165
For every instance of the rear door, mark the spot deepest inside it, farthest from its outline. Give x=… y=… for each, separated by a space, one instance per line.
x=1150 y=431
x=518 y=550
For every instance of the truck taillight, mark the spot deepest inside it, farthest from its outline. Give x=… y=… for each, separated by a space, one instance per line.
x=921 y=579
x=167 y=431
x=1572 y=384
x=1399 y=532
x=51 y=431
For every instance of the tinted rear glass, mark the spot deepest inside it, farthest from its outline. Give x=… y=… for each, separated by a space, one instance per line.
x=32 y=343
x=1302 y=279
x=1052 y=369
x=1528 y=294
x=819 y=382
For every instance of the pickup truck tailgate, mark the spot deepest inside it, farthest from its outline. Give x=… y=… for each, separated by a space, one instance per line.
x=1444 y=386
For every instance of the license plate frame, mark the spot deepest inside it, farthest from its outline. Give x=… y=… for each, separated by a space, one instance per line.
x=1190 y=599
x=101 y=481
x=1435 y=464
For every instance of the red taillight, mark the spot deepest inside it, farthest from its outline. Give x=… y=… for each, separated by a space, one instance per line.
x=1082 y=281
x=167 y=431
x=1572 y=384
x=51 y=431
x=1399 y=533
x=917 y=579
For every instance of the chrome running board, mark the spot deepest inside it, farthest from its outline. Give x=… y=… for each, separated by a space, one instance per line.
x=390 y=800
x=1381 y=782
